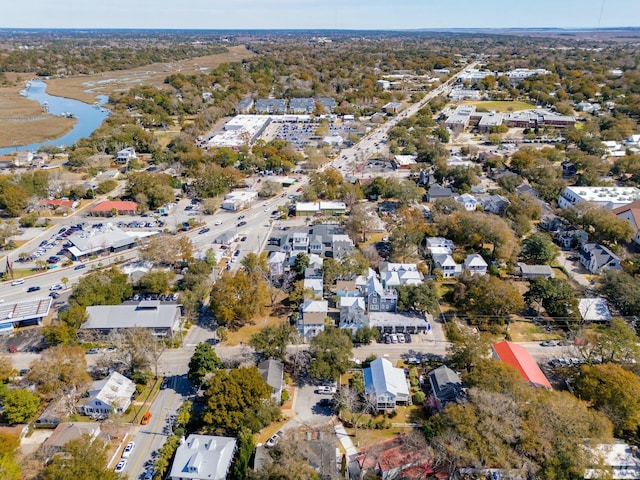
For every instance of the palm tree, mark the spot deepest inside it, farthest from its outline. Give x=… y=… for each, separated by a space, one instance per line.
x=64 y=280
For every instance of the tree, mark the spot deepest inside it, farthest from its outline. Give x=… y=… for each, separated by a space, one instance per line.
x=137 y=348
x=246 y=445
x=83 y=459
x=489 y=296
x=538 y=248
x=331 y=350
x=156 y=281
x=615 y=392
x=9 y=467
x=203 y=361
x=422 y=298
x=622 y=290
x=237 y=298
x=467 y=346
x=20 y=406
x=237 y=399
x=60 y=370
x=556 y=295
x=600 y=223
x=300 y=264
x=105 y=287
x=272 y=341
x=616 y=342
x=65 y=281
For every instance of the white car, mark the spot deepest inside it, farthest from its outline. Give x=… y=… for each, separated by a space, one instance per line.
x=17 y=282
x=120 y=466
x=217 y=223
x=127 y=450
x=57 y=286
x=274 y=439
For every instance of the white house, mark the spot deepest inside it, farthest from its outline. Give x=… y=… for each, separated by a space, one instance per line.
x=394 y=274
x=203 y=457
x=277 y=262
x=126 y=154
x=387 y=383
x=353 y=313
x=595 y=258
x=439 y=245
x=111 y=395
x=447 y=265
x=475 y=264
x=469 y=202
x=312 y=316
x=622 y=460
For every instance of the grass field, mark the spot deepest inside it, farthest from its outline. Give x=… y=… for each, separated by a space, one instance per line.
x=24 y=133
x=502 y=106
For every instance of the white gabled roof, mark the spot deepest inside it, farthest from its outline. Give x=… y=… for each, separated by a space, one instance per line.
x=114 y=390
x=385 y=378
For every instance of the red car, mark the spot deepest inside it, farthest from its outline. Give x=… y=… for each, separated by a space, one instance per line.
x=146 y=418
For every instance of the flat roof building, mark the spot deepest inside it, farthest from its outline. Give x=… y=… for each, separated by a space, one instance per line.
x=608 y=197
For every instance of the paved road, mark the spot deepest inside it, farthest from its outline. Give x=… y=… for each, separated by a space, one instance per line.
x=150 y=438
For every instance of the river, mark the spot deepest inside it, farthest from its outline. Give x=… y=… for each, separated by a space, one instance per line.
x=89 y=117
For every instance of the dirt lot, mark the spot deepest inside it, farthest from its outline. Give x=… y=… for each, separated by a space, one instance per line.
x=85 y=88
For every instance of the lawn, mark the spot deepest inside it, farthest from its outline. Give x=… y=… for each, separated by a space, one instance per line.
x=530 y=332
x=513 y=106
x=242 y=335
x=366 y=437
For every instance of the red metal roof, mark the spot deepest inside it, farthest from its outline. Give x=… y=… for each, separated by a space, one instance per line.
x=517 y=356
x=58 y=203
x=119 y=205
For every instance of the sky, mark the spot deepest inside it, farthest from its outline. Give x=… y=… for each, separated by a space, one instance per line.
x=319 y=14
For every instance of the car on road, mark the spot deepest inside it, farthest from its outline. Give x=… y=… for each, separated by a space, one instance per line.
x=217 y=223
x=17 y=282
x=274 y=439
x=244 y=238
x=242 y=224
x=549 y=343
x=34 y=288
x=236 y=253
x=120 y=466
x=145 y=418
x=240 y=217
x=80 y=267
x=126 y=453
x=204 y=230
x=93 y=351
x=57 y=286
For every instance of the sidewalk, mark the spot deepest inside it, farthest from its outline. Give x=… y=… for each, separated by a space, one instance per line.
x=349 y=448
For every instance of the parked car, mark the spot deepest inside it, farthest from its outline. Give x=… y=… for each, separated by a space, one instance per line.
x=126 y=453
x=549 y=343
x=93 y=351
x=325 y=390
x=120 y=466
x=80 y=267
x=148 y=475
x=274 y=439
x=54 y=295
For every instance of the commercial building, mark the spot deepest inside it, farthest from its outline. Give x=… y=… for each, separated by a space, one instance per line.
x=23 y=313
x=608 y=197
x=162 y=319
x=109 y=208
x=239 y=199
x=108 y=239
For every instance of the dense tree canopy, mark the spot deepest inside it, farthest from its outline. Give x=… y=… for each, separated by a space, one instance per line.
x=203 y=361
x=332 y=352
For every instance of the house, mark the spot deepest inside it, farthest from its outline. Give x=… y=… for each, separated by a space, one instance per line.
x=475 y=264
x=394 y=274
x=387 y=384
x=316 y=245
x=277 y=262
x=244 y=106
x=272 y=372
x=203 y=457
x=533 y=271
x=393 y=459
x=65 y=432
x=225 y=238
x=469 y=202
x=595 y=258
x=161 y=319
x=353 y=313
x=346 y=288
x=518 y=357
x=594 y=310
x=572 y=237
x=125 y=155
x=447 y=265
x=315 y=285
x=341 y=245
x=437 y=191
x=108 y=208
x=380 y=299
x=496 y=204
x=313 y=314
x=525 y=189
x=111 y=395
x=439 y=245
x=631 y=213
x=619 y=459
x=299 y=243
x=445 y=385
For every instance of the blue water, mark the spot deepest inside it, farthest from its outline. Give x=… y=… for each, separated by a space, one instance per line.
x=88 y=117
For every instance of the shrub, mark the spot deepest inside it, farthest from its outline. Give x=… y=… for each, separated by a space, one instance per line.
x=285 y=396
x=419 y=397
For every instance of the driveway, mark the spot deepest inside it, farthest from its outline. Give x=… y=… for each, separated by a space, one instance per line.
x=575 y=271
